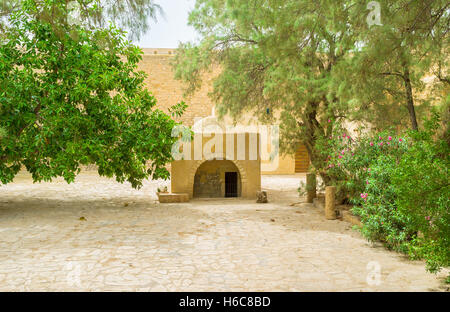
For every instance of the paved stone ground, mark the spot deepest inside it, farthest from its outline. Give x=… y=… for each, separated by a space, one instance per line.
x=98 y=235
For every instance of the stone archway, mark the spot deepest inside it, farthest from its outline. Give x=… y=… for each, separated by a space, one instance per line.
x=242 y=177
x=217 y=179
x=183 y=170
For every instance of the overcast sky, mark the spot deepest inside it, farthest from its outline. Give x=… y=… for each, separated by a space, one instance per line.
x=169 y=30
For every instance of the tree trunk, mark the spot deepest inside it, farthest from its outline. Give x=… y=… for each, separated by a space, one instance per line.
x=410 y=99
x=312 y=130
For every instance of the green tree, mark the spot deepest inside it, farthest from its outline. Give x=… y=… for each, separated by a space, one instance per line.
x=384 y=75
x=130 y=15
x=67 y=101
x=309 y=63
x=277 y=60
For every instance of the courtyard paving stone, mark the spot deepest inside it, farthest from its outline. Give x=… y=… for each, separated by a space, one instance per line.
x=99 y=235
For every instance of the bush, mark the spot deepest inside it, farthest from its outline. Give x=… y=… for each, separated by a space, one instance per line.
x=2 y=133
x=377 y=207
x=350 y=159
x=422 y=183
x=400 y=188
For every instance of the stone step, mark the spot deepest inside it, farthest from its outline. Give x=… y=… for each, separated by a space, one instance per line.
x=167 y=198
x=349 y=217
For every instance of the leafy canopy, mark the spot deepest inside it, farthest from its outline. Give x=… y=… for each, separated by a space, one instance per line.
x=130 y=15
x=387 y=73
x=308 y=63
x=68 y=99
x=277 y=60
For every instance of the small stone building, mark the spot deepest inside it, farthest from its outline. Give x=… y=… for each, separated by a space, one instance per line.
x=218 y=164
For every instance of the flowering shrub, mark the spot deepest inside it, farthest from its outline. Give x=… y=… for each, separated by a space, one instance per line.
x=399 y=186
x=380 y=216
x=422 y=184
x=349 y=160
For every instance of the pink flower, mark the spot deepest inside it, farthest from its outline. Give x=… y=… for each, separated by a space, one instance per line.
x=329 y=120
x=367 y=182
x=380 y=138
x=371 y=143
x=388 y=143
x=400 y=140
x=389 y=138
x=381 y=143
x=427 y=218
x=364 y=196
x=340 y=156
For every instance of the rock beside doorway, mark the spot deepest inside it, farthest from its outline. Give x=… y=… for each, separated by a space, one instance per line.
x=261 y=197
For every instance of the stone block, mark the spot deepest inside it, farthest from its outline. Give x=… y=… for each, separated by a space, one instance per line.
x=348 y=217
x=330 y=202
x=168 y=198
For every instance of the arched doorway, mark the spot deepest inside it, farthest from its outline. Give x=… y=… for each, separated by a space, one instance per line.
x=217 y=178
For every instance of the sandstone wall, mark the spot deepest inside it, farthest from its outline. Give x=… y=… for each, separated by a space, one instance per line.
x=168 y=92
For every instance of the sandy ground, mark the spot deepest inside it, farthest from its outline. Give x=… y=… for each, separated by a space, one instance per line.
x=98 y=235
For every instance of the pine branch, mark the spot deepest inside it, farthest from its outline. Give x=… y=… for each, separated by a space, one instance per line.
x=393 y=74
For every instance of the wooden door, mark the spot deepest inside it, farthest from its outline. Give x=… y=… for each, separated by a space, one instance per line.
x=301 y=159
x=231 y=184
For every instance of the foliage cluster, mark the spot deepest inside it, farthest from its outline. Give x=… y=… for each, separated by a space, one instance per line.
x=400 y=187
